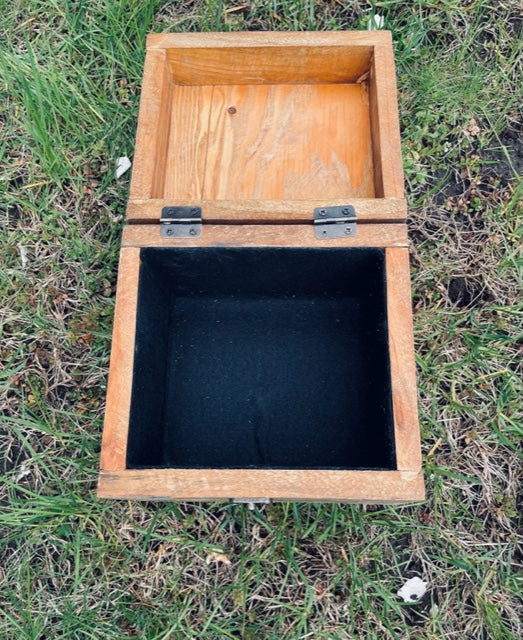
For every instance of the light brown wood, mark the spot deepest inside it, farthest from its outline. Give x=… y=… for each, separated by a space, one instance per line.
x=386 y=143
x=270 y=211
x=298 y=139
x=152 y=135
x=256 y=65
x=263 y=128
x=287 y=142
x=403 y=485
x=184 y=168
x=268 y=40
x=296 y=235
x=281 y=142
x=217 y=484
x=116 y=425
x=268 y=57
x=402 y=364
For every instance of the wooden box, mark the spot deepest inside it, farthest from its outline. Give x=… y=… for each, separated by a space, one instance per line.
x=262 y=346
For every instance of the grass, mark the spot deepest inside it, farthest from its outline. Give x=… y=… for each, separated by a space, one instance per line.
x=73 y=567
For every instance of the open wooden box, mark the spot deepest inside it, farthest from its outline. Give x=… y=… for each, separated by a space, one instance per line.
x=262 y=345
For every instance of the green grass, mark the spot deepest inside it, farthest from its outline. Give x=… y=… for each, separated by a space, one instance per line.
x=73 y=567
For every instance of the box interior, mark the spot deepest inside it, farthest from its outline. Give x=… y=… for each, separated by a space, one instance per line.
x=261 y=358
x=288 y=124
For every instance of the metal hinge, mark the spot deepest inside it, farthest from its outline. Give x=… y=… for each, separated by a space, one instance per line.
x=335 y=222
x=181 y=222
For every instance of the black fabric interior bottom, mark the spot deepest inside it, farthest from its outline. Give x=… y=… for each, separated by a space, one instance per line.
x=263 y=358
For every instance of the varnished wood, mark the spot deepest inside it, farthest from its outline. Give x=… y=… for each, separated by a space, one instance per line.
x=268 y=40
x=402 y=367
x=259 y=129
x=116 y=425
x=296 y=235
x=298 y=139
x=269 y=142
x=185 y=167
x=115 y=481
x=218 y=484
x=386 y=143
x=267 y=57
x=152 y=134
x=287 y=142
x=244 y=65
x=270 y=211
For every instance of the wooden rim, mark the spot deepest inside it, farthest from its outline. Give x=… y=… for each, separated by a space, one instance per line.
x=259 y=484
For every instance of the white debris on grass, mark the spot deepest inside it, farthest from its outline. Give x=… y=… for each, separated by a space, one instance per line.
x=22 y=472
x=23 y=255
x=215 y=556
x=375 y=22
x=413 y=590
x=122 y=165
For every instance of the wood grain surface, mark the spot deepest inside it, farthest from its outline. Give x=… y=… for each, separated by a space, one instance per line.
x=263 y=128
x=223 y=484
x=270 y=211
x=268 y=39
x=268 y=57
x=386 y=143
x=116 y=424
x=295 y=235
x=152 y=135
x=402 y=364
x=269 y=142
x=289 y=142
x=184 y=168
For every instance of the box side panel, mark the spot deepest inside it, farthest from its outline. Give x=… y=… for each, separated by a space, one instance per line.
x=114 y=441
x=267 y=235
x=403 y=372
x=270 y=211
x=386 y=143
x=223 y=484
x=263 y=65
x=152 y=134
x=145 y=434
x=267 y=39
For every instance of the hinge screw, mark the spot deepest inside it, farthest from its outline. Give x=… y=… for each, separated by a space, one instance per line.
x=323 y=212
x=345 y=211
x=192 y=232
x=194 y=210
x=348 y=231
x=169 y=232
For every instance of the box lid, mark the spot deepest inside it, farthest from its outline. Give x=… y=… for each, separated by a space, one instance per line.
x=266 y=127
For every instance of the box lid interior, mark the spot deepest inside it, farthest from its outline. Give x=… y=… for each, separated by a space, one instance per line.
x=264 y=133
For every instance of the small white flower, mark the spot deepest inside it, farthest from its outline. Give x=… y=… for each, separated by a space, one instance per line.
x=413 y=590
x=122 y=164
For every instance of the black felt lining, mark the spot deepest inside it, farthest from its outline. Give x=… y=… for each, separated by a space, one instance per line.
x=263 y=358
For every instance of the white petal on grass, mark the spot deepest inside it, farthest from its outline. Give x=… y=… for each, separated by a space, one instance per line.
x=215 y=556
x=23 y=255
x=413 y=590
x=375 y=22
x=22 y=473
x=122 y=165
